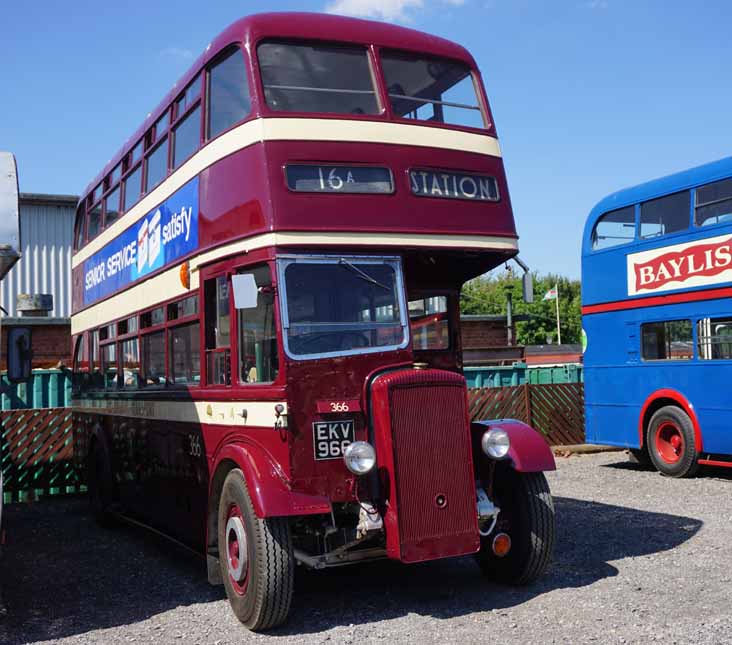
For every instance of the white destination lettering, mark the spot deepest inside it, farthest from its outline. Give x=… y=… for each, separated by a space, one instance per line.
x=453 y=186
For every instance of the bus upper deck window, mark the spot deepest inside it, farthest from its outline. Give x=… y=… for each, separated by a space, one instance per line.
x=428 y=89
x=80 y=228
x=713 y=203
x=317 y=78
x=228 y=93
x=614 y=228
x=95 y=221
x=669 y=214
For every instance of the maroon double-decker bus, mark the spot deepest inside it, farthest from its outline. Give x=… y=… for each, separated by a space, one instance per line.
x=246 y=271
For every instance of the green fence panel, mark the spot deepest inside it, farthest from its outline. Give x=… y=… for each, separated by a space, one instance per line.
x=571 y=373
x=35 y=446
x=44 y=389
x=504 y=376
x=520 y=373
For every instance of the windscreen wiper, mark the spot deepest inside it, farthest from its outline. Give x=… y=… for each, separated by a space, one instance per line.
x=362 y=274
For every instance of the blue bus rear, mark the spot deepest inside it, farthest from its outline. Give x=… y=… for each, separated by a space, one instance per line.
x=657 y=312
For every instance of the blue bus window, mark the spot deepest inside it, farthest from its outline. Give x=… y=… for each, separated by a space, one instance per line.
x=665 y=215
x=713 y=204
x=715 y=338
x=614 y=228
x=667 y=340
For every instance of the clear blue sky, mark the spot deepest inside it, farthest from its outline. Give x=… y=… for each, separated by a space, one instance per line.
x=588 y=95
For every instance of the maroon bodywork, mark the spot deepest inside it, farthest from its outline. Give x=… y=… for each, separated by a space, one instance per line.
x=529 y=451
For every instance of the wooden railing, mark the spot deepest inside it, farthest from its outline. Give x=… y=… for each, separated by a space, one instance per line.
x=557 y=410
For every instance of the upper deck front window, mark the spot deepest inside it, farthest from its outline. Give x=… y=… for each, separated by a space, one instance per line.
x=431 y=89
x=342 y=305
x=317 y=78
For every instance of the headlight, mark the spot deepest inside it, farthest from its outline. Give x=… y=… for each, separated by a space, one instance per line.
x=495 y=443
x=360 y=457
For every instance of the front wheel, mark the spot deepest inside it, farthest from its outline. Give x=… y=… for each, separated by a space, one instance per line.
x=256 y=558
x=527 y=518
x=671 y=442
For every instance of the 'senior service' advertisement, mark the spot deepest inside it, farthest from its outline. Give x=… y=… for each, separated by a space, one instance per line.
x=165 y=234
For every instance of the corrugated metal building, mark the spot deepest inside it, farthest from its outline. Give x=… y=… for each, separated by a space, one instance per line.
x=46 y=229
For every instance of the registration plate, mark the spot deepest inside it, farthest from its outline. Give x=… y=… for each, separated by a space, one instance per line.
x=330 y=438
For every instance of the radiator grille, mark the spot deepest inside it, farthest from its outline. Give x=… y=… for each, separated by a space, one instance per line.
x=432 y=459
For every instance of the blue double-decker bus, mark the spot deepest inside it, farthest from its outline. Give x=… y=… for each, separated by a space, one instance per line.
x=657 y=314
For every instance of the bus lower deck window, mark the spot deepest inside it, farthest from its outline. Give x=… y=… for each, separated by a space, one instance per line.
x=257 y=334
x=109 y=366
x=130 y=363
x=429 y=324
x=218 y=332
x=184 y=354
x=714 y=338
x=667 y=340
x=153 y=358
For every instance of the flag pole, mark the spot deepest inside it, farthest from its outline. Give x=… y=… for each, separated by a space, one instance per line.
x=556 y=300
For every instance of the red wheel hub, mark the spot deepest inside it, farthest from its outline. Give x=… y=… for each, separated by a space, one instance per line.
x=237 y=552
x=670 y=443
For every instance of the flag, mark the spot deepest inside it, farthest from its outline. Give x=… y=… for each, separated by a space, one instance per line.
x=551 y=294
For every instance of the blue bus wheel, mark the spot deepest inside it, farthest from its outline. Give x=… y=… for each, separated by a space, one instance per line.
x=671 y=442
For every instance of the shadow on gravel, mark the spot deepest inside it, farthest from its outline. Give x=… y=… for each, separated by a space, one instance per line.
x=590 y=536
x=704 y=472
x=63 y=576
x=629 y=465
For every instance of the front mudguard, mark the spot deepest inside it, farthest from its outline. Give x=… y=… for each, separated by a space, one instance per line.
x=528 y=453
x=268 y=488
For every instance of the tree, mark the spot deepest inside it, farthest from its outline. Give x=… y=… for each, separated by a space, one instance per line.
x=487 y=295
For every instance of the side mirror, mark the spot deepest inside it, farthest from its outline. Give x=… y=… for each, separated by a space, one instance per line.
x=19 y=354
x=245 y=291
x=527 y=282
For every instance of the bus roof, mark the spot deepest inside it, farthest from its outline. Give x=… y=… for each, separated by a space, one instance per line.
x=675 y=182
x=302 y=26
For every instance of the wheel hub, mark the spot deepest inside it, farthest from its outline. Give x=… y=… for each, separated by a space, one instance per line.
x=237 y=554
x=669 y=442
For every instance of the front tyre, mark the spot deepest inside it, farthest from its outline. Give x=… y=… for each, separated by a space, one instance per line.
x=671 y=442
x=255 y=556
x=527 y=517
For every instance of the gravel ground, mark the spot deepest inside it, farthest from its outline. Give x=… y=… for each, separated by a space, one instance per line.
x=639 y=558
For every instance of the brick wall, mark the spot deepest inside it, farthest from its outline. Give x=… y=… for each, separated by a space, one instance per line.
x=479 y=334
x=50 y=338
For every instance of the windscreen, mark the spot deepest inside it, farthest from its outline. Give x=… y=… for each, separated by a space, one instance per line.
x=431 y=89
x=317 y=78
x=342 y=306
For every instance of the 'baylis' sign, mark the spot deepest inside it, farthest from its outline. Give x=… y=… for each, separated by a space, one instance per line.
x=453 y=185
